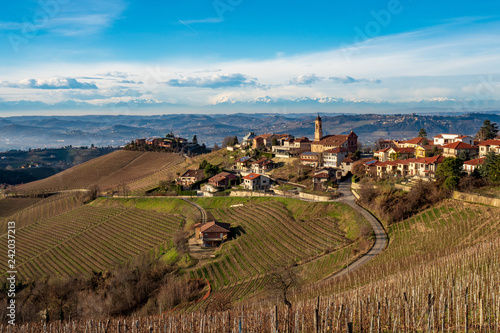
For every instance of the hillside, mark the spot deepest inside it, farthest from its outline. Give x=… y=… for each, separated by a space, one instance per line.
x=108 y=171
x=269 y=234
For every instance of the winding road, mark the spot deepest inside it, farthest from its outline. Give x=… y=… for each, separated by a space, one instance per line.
x=378 y=229
x=202 y=211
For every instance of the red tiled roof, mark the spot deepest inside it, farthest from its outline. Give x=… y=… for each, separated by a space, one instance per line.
x=414 y=140
x=198 y=173
x=252 y=176
x=489 y=143
x=459 y=145
x=439 y=136
x=220 y=176
x=383 y=150
x=215 y=227
x=332 y=140
x=321 y=175
x=407 y=150
x=475 y=161
x=434 y=159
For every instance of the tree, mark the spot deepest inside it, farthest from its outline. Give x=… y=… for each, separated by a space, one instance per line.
x=275 y=142
x=422 y=133
x=464 y=155
x=195 y=139
x=229 y=141
x=282 y=281
x=216 y=147
x=450 y=171
x=490 y=169
x=488 y=131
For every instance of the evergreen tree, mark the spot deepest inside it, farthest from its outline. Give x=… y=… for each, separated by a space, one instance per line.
x=195 y=139
x=422 y=133
x=451 y=171
x=488 y=131
x=490 y=169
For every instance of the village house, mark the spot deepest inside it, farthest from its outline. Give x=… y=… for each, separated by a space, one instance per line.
x=425 y=168
x=223 y=180
x=190 y=177
x=324 y=175
x=262 y=166
x=455 y=148
x=400 y=153
x=444 y=139
x=311 y=159
x=212 y=234
x=424 y=150
x=264 y=141
x=471 y=165
x=334 y=157
x=256 y=182
x=383 y=144
x=322 y=143
x=346 y=165
x=413 y=143
x=382 y=154
x=292 y=147
x=243 y=163
x=489 y=146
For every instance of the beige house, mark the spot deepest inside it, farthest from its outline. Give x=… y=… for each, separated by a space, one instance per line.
x=455 y=148
x=488 y=146
x=471 y=165
x=292 y=147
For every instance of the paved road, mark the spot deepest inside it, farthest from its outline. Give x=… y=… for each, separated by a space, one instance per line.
x=202 y=211
x=380 y=235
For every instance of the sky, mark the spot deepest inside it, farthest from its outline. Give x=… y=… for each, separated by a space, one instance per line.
x=140 y=57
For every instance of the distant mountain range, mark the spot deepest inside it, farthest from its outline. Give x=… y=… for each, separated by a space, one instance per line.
x=24 y=132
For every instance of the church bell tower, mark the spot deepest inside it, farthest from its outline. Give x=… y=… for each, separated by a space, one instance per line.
x=318 y=131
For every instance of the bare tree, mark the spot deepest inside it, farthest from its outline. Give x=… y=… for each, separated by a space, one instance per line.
x=282 y=281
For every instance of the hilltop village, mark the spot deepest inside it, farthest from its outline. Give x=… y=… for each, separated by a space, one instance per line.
x=286 y=165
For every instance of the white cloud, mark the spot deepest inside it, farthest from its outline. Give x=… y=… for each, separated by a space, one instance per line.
x=306 y=79
x=214 y=81
x=52 y=83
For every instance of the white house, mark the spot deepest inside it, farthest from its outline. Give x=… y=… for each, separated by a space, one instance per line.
x=334 y=157
x=444 y=139
x=256 y=182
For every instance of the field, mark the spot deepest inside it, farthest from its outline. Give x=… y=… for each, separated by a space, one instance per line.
x=89 y=238
x=9 y=206
x=108 y=171
x=270 y=234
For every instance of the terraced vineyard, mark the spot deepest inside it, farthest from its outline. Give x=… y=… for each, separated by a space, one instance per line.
x=40 y=209
x=9 y=206
x=108 y=171
x=87 y=238
x=269 y=237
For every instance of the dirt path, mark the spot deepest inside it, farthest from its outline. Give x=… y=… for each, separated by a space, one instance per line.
x=378 y=229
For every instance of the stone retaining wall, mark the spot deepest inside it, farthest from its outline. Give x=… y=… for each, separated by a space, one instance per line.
x=476 y=198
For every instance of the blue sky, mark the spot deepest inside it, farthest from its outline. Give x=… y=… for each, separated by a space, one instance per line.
x=166 y=56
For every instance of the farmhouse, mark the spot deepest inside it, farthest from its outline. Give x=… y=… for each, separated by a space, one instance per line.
x=255 y=182
x=212 y=234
